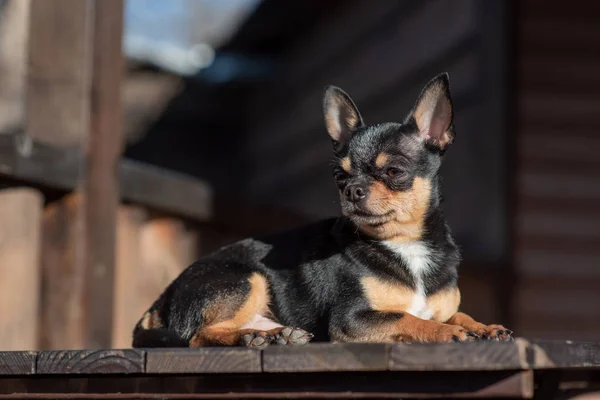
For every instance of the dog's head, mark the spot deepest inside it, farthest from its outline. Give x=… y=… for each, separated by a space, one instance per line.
x=386 y=172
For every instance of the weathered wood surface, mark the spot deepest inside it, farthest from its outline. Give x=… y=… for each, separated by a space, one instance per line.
x=476 y=356
x=20 y=235
x=327 y=357
x=217 y=360
x=90 y=362
x=17 y=362
x=351 y=370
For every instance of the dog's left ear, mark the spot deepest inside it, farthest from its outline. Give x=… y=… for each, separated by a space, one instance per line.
x=341 y=115
x=433 y=112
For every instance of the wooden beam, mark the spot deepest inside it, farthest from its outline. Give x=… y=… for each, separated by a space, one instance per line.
x=87 y=76
x=51 y=167
x=20 y=230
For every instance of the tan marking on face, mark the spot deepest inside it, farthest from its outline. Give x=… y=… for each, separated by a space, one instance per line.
x=151 y=320
x=386 y=296
x=231 y=313
x=408 y=211
x=345 y=164
x=444 y=304
x=381 y=160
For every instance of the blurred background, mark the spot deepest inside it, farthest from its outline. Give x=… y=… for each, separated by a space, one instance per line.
x=138 y=135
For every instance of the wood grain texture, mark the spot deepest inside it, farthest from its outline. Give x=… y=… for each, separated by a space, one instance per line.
x=90 y=362
x=565 y=354
x=20 y=241
x=17 y=362
x=474 y=356
x=326 y=357
x=204 y=360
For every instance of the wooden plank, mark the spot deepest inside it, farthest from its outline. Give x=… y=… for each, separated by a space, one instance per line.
x=559 y=225
x=101 y=183
x=90 y=362
x=165 y=190
x=20 y=242
x=62 y=286
x=204 y=360
x=151 y=254
x=565 y=354
x=17 y=362
x=141 y=183
x=557 y=263
x=368 y=385
x=59 y=65
x=126 y=308
x=326 y=357
x=14 y=25
x=562 y=186
x=475 y=356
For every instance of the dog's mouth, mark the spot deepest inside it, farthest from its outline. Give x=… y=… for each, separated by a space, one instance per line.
x=362 y=217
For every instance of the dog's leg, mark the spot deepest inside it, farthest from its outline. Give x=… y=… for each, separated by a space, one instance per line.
x=248 y=326
x=486 y=332
x=377 y=326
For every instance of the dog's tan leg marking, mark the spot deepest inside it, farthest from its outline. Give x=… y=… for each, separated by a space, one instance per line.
x=492 y=332
x=229 y=332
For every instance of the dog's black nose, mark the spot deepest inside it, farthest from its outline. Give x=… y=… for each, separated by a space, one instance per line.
x=355 y=193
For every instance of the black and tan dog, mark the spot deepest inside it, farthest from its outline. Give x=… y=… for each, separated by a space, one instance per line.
x=386 y=271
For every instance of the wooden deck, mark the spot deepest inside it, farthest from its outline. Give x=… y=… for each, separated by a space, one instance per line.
x=520 y=369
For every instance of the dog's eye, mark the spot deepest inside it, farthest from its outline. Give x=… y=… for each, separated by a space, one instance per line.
x=339 y=175
x=394 y=172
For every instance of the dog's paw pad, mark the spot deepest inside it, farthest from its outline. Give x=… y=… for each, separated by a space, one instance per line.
x=295 y=336
x=257 y=340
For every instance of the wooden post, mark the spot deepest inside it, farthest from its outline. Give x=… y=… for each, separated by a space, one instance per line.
x=150 y=255
x=126 y=307
x=88 y=34
x=20 y=228
x=101 y=182
x=58 y=74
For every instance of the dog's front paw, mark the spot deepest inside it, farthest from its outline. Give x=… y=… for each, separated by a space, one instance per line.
x=453 y=333
x=495 y=332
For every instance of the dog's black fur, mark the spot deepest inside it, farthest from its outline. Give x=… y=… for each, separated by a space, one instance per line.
x=316 y=276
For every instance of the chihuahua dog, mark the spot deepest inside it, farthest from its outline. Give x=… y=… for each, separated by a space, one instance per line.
x=386 y=271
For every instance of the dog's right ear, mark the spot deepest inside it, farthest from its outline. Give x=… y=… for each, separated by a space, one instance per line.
x=341 y=115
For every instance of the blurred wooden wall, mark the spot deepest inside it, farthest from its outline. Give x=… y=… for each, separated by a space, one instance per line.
x=558 y=177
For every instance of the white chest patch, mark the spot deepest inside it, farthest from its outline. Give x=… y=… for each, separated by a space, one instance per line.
x=418 y=260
